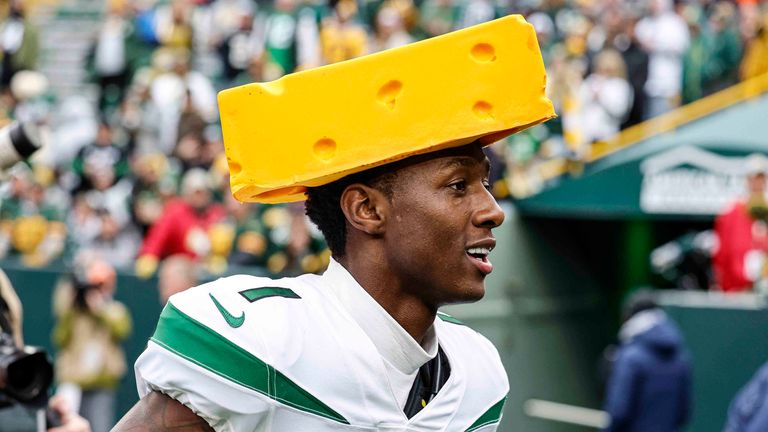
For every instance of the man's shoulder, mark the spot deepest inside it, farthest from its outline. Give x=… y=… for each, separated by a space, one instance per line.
x=256 y=299
x=249 y=337
x=459 y=331
x=472 y=349
x=475 y=359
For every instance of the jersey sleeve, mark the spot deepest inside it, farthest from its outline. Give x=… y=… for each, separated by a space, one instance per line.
x=223 y=406
x=205 y=367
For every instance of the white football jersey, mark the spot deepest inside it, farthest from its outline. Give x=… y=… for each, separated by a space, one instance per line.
x=249 y=354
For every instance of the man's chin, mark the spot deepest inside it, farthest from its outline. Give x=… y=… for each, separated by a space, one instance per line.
x=471 y=295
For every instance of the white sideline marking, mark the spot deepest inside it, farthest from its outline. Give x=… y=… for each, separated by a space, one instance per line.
x=566 y=413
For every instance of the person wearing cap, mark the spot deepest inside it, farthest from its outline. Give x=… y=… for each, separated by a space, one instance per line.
x=403 y=201
x=742 y=233
x=181 y=229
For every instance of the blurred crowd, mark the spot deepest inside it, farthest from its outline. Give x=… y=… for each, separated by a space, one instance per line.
x=135 y=172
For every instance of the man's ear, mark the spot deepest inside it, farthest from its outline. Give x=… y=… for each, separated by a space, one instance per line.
x=365 y=208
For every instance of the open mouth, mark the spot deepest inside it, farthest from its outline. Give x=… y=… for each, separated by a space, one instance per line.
x=479 y=257
x=479 y=253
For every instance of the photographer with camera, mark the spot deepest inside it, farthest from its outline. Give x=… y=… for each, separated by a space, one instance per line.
x=25 y=372
x=89 y=330
x=25 y=376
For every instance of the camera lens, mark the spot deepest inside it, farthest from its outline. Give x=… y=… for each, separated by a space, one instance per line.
x=28 y=375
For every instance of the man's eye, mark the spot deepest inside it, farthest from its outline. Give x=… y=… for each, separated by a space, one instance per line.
x=460 y=185
x=487 y=184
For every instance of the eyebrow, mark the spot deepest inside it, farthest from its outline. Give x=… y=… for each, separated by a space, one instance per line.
x=466 y=162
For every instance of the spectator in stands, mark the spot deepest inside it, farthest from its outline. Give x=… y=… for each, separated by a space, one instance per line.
x=109 y=58
x=726 y=53
x=282 y=44
x=153 y=184
x=636 y=60
x=545 y=33
x=182 y=228
x=390 y=29
x=749 y=409
x=173 y=27
x=749 y=18
x=172 y=90
x=341 y=37
x=189 y=152
x=30 y=225
x=696 y=57
x=101 y=164
x=18 y=42
x=250 y=240
x=755 y=62
x=191 y=122
x=649 y=388
x=82 y=221
x=32 y=99
x=117 y=241
x=473 y=12
x=14 y=192
x=278 y=237
x=89 y=329
x=142 y=119
x=437 y=17
x=604 y=98
x=664 y=34
x=742 y=232
x=304 y=250
x=177 y=273
x=240 y=48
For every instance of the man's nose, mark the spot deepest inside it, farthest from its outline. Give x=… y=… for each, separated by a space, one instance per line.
x=490 y=214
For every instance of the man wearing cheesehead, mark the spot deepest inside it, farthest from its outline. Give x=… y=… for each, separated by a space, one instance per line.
x=387 y=151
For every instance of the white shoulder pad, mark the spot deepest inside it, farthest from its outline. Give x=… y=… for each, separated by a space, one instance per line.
x=476 y=358
x=226 y=407
x=241 y=333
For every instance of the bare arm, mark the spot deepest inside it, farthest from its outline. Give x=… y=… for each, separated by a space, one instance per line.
x=158 y=412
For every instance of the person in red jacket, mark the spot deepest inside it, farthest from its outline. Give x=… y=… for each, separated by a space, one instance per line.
x=183 y=226
x=742 y=233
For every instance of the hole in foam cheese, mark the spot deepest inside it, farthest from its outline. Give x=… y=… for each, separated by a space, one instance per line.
x=325 y=149
x=234 y=167
x=481 y=83
x=389 y=92
x=483 y=53
x=483 y=110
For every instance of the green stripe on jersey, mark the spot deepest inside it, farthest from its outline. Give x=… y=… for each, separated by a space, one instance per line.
x=493 y=415
x=186 y=337
x=254 y=294
x=447 y=318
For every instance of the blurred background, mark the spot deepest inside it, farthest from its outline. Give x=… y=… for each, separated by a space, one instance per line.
x=651 y=179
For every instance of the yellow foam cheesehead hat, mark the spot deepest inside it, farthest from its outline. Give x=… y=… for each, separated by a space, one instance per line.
x=313 y=127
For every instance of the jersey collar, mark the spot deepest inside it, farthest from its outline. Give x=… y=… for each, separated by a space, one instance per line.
x=390 y=339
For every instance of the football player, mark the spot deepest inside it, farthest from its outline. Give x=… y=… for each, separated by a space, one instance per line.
x=361 y=347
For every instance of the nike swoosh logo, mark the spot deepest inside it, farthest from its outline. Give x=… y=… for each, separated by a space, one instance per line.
x=232 y=320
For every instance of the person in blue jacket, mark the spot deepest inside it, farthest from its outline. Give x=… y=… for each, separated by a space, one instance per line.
x=749 y=409
x=649 y=389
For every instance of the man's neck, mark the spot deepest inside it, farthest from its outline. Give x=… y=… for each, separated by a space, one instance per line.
x=392 y=294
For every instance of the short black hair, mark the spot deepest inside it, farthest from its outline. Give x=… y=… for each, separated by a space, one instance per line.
x=323 y=205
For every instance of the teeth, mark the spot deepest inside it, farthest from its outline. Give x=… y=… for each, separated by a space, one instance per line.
x=478 y=251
